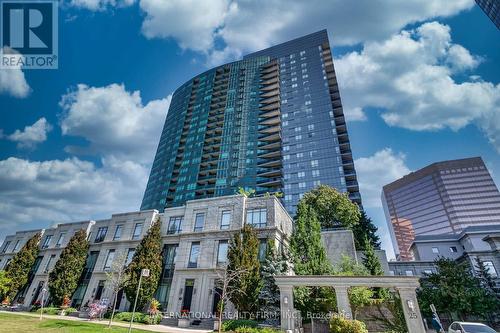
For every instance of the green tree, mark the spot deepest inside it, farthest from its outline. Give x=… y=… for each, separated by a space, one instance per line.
x=63 y=279
x=307 y=250
x=269 y=295
x=332 y=208
x=396 y=322
x=309 y=258
x=485 y=279
x=454 y=290
x=4 y=284
x=359 y=297
x=370 y=259
x=243 y=256
x=146 y=256
x=372 y=263
x=246 y=191
x=18 y=268
x=365 y=229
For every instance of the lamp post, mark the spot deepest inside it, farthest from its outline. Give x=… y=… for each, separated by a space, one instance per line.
x=41 y=304
x=145 y=273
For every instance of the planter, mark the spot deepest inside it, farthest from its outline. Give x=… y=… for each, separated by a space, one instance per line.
x=183 y=323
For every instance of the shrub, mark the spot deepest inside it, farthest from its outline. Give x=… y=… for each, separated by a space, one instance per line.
x=233 y=324
x=55 y=311
x=139 y=318
x=342 y=325
x=247 y=329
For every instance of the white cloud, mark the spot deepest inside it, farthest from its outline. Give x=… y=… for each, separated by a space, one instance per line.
x=410 y=77
x=114 y=121
x=13 y=81
x=245 y=26
x=31 y=135
x=66 y=190
x=192 y=23
x=378 y=170
x=123 y=134
x=100 y=5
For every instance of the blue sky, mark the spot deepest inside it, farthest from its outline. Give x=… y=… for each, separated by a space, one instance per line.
x=419 y=82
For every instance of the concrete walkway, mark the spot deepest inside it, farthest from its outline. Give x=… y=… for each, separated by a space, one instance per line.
x=152 y=328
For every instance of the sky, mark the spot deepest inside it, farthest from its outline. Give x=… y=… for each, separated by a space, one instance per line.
x=419 y=82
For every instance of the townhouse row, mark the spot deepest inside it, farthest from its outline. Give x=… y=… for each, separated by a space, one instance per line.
x=195 y=241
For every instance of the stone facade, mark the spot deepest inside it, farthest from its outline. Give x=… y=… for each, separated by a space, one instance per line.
x=338 y=243
x=192 y=237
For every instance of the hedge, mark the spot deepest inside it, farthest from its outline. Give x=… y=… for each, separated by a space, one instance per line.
x=55 y=311
x=138 y=318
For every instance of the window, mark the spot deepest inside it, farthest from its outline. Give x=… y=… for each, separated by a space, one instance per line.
x=46 y=241
x=302 y=185
x=174 y=225
x=427 y=271
x=257 y=218
x=101 y=234
x=301 y=174
x=225 y=219
x=409 y=273
x=5 y=246
x=16 y=247
x=60 y=239
x=130 y=256
x=137 y=230
x=315 y=173
x=109 y=259
x=490 y=268
x=262 y=249
x=199 y=222
x=453 y=249
x=47 y=266
x=118 y=232
x=435 y=250
x=314 y=163
x=193 y=256
x=222 y=252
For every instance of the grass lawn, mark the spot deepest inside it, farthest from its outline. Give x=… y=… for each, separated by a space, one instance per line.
x=11 y=323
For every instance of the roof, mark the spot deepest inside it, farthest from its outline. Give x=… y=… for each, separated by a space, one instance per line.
x=431 y=169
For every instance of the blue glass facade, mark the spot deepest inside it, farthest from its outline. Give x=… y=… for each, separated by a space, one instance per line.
x=272 y=122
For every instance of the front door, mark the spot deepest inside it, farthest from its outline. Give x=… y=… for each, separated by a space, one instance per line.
x=217 y=297
x=100 y=289
x=119 y=299
x=188 y=295
x=37 y=292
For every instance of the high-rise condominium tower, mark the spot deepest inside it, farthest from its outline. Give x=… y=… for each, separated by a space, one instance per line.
x=492 y=9
x=442 y=198
x=272 y=122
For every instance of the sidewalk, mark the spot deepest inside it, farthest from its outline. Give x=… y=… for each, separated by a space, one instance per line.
x=152 y=328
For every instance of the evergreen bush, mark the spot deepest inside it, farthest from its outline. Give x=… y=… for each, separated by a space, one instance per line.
x=340 y=324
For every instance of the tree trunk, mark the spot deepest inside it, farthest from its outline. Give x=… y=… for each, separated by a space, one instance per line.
x=220 y=317
x=113 y=311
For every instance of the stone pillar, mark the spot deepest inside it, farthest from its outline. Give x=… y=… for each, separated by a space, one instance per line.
x=343 y=304
x=411 y=310
x=286 y=307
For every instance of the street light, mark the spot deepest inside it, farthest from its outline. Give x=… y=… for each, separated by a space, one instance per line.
x=41 y=308
x=145 y=273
